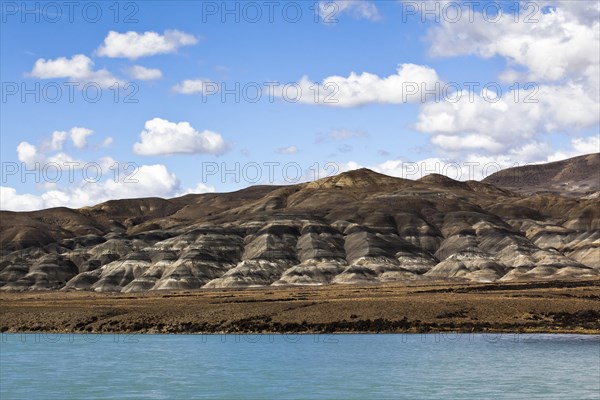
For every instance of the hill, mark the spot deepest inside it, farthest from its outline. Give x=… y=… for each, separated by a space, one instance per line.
x=359 y=227
x=578 y=176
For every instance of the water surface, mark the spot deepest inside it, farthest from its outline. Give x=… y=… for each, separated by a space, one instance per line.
x=432 y=366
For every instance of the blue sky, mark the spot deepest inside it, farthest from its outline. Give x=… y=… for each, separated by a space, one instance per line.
x=174 y=136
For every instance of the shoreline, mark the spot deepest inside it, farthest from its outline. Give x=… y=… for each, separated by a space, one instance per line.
x=548 y=307
x=589 y=334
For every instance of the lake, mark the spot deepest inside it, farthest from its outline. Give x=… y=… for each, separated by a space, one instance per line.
x=402 y=366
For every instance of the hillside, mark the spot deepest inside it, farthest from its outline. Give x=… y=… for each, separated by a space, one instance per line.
x=359 y=227
x=578 y=176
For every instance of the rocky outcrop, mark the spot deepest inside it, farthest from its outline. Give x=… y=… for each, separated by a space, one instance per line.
x=356 y=228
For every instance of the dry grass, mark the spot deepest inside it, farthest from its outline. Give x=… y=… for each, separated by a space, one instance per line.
x=565 y=306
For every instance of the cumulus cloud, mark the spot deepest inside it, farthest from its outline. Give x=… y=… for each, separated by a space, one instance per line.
x=559 y=52
x=585 y=12
x=562 y=43
x=586 y=145
x=579 y=146
x=58 y=138
x=477 y=123
x=360 y=89
x=287 y=150
x=134 y=45
x=63 y=159
x=101 y=182
x=359 y=9
x=163 y=137
x=28 y=153
x=473 y=141
x=143 y=73
x=51 y=150
x=79 y=136
x=79 y=68
x=147 y=181
x=12 y=201
x=35 y=157
x=193 y=86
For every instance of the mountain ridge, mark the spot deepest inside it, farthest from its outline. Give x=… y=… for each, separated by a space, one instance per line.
x=576 y=176
x=359 y=227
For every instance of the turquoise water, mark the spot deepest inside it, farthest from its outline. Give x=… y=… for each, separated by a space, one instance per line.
x=433 y=366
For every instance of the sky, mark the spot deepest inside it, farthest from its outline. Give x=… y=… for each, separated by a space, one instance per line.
x=110 y=100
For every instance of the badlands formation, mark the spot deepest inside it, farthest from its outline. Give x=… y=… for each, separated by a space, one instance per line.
x=360 y=227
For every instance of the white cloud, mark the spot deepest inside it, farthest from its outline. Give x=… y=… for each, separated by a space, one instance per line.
x=10 y=200
x=63 y=159
x=585 y=12
x=473 y=141
x=401 y=168
x=496 y=127
x=162 y=137
x=107 y=142
x=533 y=152
x=78 y=68
x=134 y=45
x=147 y=181
x=143 y=73
x=108 y=163
x=51 y=150
x=79 y=136
x=511 y=76
x=200 y=188
x=28 y=153
x=476 y=166
x=528 y=152
x=586 y=145
x=287 y=150
x=562 y=44
x=560 y=51
x=579 y=146
x=157 y=181
x=58 y=138
x=359 y=9
x=418 y=169
x=193 y=86
x=415 y=170
x=357 y=90
x=33 y=157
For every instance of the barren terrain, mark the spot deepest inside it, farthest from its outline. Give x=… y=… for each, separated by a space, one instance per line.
x=565 y=307
x=356 y=252
x=359 y=228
